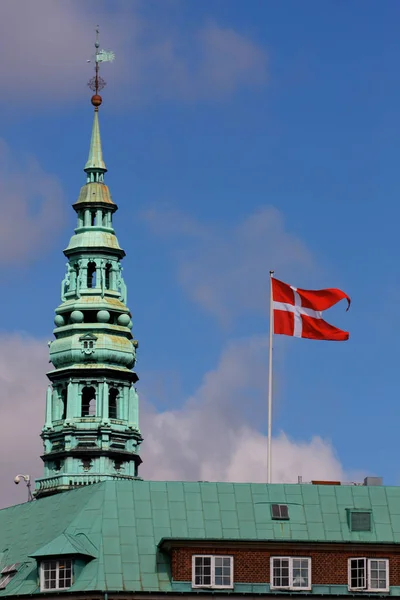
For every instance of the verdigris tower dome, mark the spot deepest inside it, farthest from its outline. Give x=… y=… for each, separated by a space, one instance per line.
x=91 y=432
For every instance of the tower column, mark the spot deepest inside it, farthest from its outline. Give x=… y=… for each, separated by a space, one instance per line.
x=73 y=279
x=113 y=276
x=55 y=406
x=133 y=407
x=49 y=408
x=105 y=401
x=83 y=263
x=99 y=272
x=86 y=218
x=70 y=401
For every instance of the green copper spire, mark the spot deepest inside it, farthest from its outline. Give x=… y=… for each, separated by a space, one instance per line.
x=91 y=431
x=95 y=161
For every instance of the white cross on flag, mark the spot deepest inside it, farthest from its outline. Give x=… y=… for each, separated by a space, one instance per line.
x=299 y=312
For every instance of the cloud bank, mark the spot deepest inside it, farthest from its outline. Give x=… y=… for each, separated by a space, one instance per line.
x=32 y=208
x=225 y=269
x=213 y=436
x=47 y=43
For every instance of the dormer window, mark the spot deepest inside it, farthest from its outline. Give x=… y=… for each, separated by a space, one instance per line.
x=55 y=574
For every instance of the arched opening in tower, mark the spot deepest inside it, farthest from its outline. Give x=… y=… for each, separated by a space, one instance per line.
x=91 y=275
x=88 y=402
x=76 y=268
x=113 y=403
x=108 y=273
x=64 y=404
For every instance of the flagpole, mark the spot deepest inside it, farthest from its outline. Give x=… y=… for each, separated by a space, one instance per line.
x=271 y=333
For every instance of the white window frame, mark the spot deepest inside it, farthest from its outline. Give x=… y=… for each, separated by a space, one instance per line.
x=290 y=586
x=212 y=584
x=42 y=573
x=367 y=567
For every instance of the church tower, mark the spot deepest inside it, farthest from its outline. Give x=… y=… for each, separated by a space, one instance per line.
x=91 y=431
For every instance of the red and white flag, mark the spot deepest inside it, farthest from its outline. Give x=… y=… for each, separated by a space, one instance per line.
x=299 y=312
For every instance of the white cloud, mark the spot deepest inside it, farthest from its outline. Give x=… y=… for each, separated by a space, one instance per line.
x=23 y=365
x=46 y=45
x=225 y=269
x=213 y=436
x=32 y=211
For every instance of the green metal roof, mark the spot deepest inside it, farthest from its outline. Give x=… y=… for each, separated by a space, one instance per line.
x=95 y=159
x=102 y=240
x=121 y=523
x=67 y=545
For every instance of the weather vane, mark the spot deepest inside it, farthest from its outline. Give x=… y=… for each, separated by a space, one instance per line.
x=97 y=83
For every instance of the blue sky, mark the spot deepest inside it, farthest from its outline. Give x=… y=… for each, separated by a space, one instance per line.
x=239 y=137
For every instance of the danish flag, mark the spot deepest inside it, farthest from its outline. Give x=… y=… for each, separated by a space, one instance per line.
x=299 y=312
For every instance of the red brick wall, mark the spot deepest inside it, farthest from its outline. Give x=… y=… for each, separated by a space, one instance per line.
x=328 y=566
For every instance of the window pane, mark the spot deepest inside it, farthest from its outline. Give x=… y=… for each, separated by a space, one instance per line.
x=222 y=571
x=300 y=572
x=280 y=572
x=357 y=573
x=202 y=570
x=378 y=575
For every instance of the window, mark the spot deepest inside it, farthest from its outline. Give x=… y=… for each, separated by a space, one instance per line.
x=91 y=275
x=291 y=573
x=76 y=269
x=360 y=520
x=64 y=400
x=107 y=276
x=113 y=403
x=279 y=511
x=55 y=574
x=88 y=402
x=212 y=571
x=369 y=574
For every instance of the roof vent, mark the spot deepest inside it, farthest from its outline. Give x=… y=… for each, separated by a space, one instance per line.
x=7 y=574
x=373 y=481
x=360 y=520
x=279 y=511
x=10 y=568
